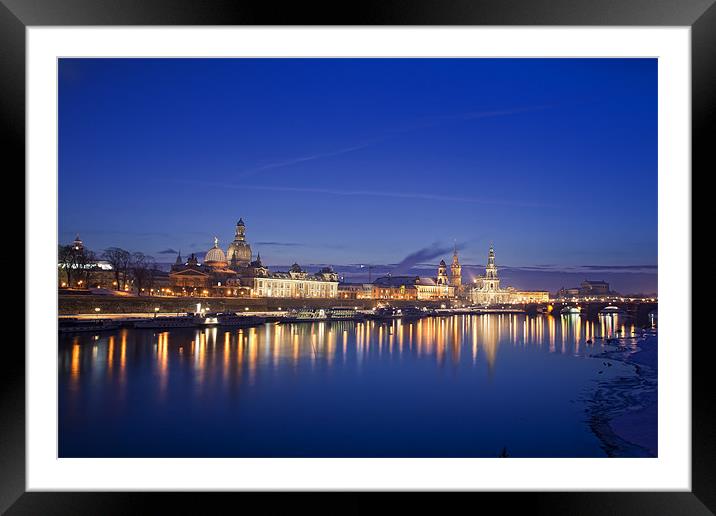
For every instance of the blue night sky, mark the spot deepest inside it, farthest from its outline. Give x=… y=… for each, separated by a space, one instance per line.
x=346 y=161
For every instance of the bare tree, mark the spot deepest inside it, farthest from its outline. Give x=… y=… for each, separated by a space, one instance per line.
x=65 y=260
x=78 y=264
x=86 y=262
x=120 y=260
x=142 y=267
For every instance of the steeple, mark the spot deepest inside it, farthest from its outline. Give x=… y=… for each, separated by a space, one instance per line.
x=240 y=230
x=455 y=270
x=77 y=244
x=442 y=278
x=491 y=270
x=178 y=262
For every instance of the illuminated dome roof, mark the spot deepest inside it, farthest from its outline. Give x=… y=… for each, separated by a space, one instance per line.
x=239 y=251
x=215 y=254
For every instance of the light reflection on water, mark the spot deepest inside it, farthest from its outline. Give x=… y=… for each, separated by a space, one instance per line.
x=272 y=390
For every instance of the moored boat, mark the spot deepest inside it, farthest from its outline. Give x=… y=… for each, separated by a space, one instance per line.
x=570 y=310
x=67 y=325
x=160 y=322
x=340 y=313
x=231 y=319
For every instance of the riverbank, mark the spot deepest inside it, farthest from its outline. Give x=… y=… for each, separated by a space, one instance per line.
x=622 y=411
x=87 y=304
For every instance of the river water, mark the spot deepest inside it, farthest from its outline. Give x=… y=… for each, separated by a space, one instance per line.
x=459 y=386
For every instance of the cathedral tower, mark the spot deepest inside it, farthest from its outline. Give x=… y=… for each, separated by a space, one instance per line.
x=455 y=270
x=492 y=282
x=239 y=252
x=442 y=278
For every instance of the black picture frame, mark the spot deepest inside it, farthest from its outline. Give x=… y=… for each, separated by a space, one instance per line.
x=699 y=15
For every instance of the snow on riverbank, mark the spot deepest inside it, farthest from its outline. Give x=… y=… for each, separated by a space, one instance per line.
x=622 y=411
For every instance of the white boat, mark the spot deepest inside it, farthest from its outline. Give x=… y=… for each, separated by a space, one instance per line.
x=568 y=310
x=339 y=313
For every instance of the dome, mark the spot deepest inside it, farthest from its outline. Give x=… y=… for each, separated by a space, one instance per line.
x=241 y=251
x=215 y=254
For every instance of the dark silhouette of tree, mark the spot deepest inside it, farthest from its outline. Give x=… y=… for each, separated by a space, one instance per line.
x=86 y=266
x=65 y=259
x=78 y=264
x=142 y=268
x=120 y=260
x=503 y=453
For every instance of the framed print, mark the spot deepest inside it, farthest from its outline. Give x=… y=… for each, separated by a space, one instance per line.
x=411 y=250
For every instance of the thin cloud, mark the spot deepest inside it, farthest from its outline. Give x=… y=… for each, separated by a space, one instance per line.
x=373 y=193
x=433 y=122
x=302 y=159
x=280 y=244
x=167 y=251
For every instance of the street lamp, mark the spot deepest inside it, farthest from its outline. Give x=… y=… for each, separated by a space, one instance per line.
x=156 y=309
x=97 y=310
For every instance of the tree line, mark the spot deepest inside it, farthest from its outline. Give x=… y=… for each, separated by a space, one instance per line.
x=80 y=266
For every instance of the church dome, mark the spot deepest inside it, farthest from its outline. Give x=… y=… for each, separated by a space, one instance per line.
x=215 y=254
x=239 y=251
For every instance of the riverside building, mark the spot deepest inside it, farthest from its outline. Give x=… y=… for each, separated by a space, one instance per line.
x=486 y=290
x=235 y=274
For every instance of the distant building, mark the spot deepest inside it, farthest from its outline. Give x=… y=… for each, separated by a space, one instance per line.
x=82 y=270
x=529 y=296
x=588 y=288
x=594 y=288
x=414 y=287
x=486 y=290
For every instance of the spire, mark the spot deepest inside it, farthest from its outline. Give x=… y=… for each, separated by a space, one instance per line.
x=178 y=262
x=216 y=241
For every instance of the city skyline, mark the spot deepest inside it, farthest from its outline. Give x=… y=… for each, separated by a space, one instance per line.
x=365 y=160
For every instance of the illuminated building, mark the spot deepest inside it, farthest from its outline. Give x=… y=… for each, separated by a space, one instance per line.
x=529 y=296
x=235 y=274
x=455 y=271
x=239 y=252
x=414 y=287
x=588 y=288
x=295 y=283
x=486 y=289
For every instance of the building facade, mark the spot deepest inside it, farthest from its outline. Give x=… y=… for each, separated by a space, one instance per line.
x=414 y=287
x=235 y=274
x=486 y=290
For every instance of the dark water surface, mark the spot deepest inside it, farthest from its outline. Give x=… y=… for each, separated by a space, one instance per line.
x=459 y=386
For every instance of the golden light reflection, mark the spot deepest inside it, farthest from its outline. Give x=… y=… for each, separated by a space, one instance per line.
x=455 y=341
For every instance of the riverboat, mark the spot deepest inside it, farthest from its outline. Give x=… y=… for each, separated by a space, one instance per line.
x=167 y=322
x=344 y=314
x=67 y=325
